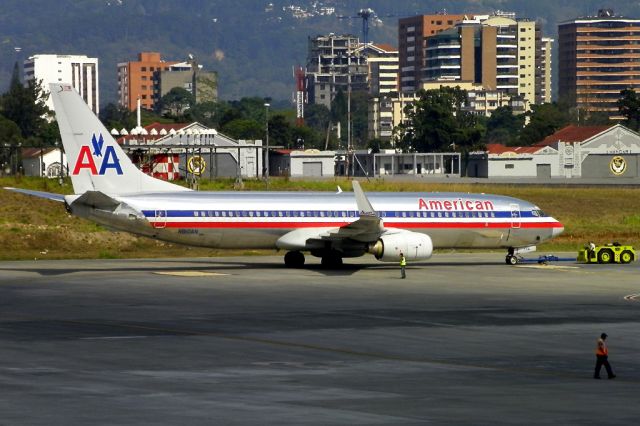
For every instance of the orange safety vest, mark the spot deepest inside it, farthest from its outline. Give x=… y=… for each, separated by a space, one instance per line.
x=601 y=349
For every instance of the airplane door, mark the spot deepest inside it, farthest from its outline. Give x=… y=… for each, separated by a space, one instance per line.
x=515 y=216
x=161 y=219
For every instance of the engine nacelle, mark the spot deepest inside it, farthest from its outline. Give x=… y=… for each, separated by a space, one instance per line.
x=415 y=246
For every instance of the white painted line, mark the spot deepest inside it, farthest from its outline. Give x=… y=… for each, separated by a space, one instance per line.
x=113 y=337
x=191 y=274
x=547 y=267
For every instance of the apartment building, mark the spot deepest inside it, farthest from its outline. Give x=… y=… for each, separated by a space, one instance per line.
x=203 y=84
x=135 y=80
x=78 y=70
x=382 y=63
x=546 y=70
x=412 y=33
x=497 y=52
x=333 y=64
x=598 y=57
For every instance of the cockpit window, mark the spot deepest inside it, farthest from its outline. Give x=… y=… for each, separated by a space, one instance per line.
x=537 y=213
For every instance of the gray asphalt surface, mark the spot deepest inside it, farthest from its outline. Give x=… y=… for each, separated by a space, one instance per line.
x=464 y=339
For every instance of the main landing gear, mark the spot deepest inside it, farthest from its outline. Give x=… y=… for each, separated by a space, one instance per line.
x=331 y=259
x=294 y=259
x=512 y=258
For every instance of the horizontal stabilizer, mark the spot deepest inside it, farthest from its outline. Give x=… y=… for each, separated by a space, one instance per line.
x=39 y=194
x=96 y=199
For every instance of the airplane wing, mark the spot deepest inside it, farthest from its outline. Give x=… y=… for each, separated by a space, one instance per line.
x=367 y=229
x=40 y=194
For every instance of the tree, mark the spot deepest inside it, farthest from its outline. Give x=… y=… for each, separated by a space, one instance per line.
x=175 y=102
x=437 y=121
x=545 y=119
x=25 y=106
x=504 y=126
x=244 y=129
x=359 y=119
x=209 y=114
x=629 y=107
x=117 y=117
x=280 y=132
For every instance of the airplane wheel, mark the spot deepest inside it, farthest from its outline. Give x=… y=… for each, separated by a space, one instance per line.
x=511 y=260
x=605 y=256
x=626 y=256
x=331 y=261
x=294 y=259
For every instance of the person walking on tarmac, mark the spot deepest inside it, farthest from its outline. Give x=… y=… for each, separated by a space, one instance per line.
x=403 y=265
x=602 y=358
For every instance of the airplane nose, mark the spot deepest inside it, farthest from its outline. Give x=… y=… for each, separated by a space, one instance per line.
x=557 y=230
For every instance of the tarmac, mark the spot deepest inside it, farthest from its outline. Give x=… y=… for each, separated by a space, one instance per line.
x=465 y=339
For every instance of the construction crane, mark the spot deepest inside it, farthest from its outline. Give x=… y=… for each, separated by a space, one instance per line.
x=363 y=14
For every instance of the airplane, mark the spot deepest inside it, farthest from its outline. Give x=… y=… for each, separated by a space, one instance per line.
x=110 y=190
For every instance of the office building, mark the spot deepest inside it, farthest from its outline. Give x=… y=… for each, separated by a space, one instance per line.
x=78 y=70
x=598 y=57
x=202 y=84
x=135 y=80
x=412 y=33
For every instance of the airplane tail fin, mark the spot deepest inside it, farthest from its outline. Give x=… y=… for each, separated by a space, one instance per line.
x=96 y=161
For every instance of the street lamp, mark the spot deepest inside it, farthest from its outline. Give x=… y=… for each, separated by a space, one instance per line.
x=266 y=162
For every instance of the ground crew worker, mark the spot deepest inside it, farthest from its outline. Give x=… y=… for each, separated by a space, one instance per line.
x=602 y=358
x=403 y=265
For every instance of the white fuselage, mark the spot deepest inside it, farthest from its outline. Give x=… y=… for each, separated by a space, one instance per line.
x=259 y=219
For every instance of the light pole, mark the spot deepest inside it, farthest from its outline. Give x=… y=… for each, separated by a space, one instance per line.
x=266 y=162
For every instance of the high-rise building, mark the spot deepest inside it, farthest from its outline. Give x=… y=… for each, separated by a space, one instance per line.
x=412 y=33
x=203 y=84
x=333 y=65
x=78 y=70
x=545 y=71
x=135 y=80
x=598 y=57
x=382 y=62
x=497 y=52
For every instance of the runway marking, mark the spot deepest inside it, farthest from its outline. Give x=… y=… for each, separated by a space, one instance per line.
x=191 y=274
x=113 y=337
x=557 y=267
x=343 y=351
x=632 y=297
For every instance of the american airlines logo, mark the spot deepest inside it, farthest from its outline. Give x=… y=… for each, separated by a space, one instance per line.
x=456 y=204
x=90 y=159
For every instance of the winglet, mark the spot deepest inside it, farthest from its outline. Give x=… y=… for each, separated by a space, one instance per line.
x=364 y=206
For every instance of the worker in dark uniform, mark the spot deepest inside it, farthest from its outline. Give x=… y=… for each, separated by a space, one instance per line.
x=403 y=265
x=602 y=358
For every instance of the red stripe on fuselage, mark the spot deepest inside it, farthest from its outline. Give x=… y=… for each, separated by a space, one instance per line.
x=407 y=225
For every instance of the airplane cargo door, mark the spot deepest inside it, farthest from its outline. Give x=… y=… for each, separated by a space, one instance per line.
x=515 y=216
x=160 y=219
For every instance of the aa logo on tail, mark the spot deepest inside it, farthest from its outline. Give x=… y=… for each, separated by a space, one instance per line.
x=87 y=159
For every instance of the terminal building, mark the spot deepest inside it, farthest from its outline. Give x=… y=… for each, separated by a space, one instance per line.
x=573 y=152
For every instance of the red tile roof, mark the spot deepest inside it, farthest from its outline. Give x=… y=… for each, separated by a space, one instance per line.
x=386 y=47
x=573 y=134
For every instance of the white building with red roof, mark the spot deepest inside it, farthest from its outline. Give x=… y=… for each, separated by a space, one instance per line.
x=571 y=152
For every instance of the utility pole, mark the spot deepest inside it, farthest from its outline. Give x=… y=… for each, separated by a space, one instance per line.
x=266 y=162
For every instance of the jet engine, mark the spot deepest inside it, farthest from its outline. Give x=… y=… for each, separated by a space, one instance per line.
x=415 y=246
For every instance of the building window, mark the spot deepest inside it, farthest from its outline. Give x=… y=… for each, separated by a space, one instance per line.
x=509 y=166
x=143 y=69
